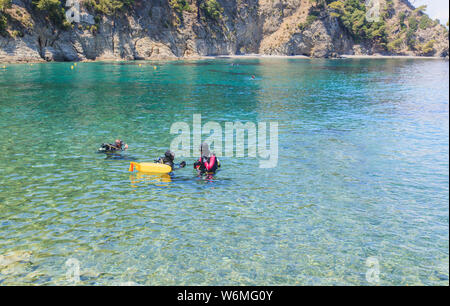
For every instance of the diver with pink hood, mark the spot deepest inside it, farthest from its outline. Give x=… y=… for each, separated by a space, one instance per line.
x=208 y=163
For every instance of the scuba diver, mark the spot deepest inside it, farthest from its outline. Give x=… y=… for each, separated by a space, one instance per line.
x=118 y=145
x=168 y=159
x=208 y=163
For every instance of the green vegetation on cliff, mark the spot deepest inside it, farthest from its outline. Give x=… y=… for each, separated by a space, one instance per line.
x=54 y=11
x=3 y=24
x=425 y=22
x=108 y=7
x=180 y=5
x=418 y=20
x=212 y=9
x=313 y=15
x=4 y=4
x=427 y=48
x=352 y=15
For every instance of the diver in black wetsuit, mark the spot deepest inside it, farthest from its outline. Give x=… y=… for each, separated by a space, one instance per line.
x=118 y=145
x=168 y=159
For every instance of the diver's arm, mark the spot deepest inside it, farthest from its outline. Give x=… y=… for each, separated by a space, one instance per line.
x=180 y=165
x=112 y=147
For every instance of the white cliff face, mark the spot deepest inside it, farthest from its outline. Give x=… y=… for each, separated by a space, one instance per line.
x=154 y=30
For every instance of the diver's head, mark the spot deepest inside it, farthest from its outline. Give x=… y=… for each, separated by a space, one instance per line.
x=170 y=155
x=204 y=149
x=120 y=144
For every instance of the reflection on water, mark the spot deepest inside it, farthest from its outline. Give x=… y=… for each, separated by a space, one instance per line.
x=229 y=72
x=362 y=173
x=193 y=63
x=118 y=156
x=140 y=178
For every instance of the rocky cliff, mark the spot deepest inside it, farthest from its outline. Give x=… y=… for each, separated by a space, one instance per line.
x=53 y=30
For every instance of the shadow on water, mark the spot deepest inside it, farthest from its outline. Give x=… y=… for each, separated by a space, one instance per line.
x=130 y=64
x=149 y=178
x=181 y=179
x=229 y=72
x=117 y=156
x=202 y=63
x=255 y=63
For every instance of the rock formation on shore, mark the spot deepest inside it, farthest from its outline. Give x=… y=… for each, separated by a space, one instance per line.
x=76 y=30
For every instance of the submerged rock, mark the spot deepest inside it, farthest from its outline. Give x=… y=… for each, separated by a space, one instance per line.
x=13 y=257
x=14 y=261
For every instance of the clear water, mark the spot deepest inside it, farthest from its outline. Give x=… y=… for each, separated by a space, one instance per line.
x=363 y=172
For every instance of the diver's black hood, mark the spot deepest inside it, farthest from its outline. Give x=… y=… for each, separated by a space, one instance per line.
x=169 y=154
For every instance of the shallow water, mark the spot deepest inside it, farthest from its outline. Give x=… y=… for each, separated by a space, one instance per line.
x=362 y=175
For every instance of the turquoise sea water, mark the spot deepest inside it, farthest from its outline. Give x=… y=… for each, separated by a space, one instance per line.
x=362 y=175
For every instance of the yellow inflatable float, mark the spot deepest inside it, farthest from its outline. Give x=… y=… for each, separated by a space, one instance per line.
x=150 y=167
